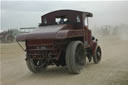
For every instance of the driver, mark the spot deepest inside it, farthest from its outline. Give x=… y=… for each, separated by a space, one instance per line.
x=61 y=21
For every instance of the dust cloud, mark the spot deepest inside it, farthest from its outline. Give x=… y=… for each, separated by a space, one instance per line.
x=120 y=31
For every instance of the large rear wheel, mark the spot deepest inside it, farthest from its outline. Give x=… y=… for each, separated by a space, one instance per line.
x=75 y=57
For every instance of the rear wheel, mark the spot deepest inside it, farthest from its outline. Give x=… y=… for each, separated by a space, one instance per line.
x=36 y=65
x=97 y=55
x=75 y=57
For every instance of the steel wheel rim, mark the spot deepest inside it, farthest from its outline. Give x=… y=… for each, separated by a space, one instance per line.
x=79 y=56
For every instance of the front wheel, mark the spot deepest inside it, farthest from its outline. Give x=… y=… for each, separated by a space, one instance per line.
x=36 y=65
x=75 y=57
x=97 y=55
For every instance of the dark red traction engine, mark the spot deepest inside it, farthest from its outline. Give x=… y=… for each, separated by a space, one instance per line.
x=62 y=39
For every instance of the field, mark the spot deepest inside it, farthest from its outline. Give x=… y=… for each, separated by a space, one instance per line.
x=112 y=70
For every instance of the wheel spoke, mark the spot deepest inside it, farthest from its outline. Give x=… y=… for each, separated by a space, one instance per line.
x=38 y=63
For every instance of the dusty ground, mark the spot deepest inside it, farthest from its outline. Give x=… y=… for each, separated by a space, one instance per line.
x=113 y=69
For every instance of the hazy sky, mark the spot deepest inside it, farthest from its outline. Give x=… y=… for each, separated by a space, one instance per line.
x=16 y=14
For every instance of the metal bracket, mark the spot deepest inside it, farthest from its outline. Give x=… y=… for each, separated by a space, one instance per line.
x=20 y=46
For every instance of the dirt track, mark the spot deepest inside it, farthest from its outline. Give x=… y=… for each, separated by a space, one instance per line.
x=113 y=69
